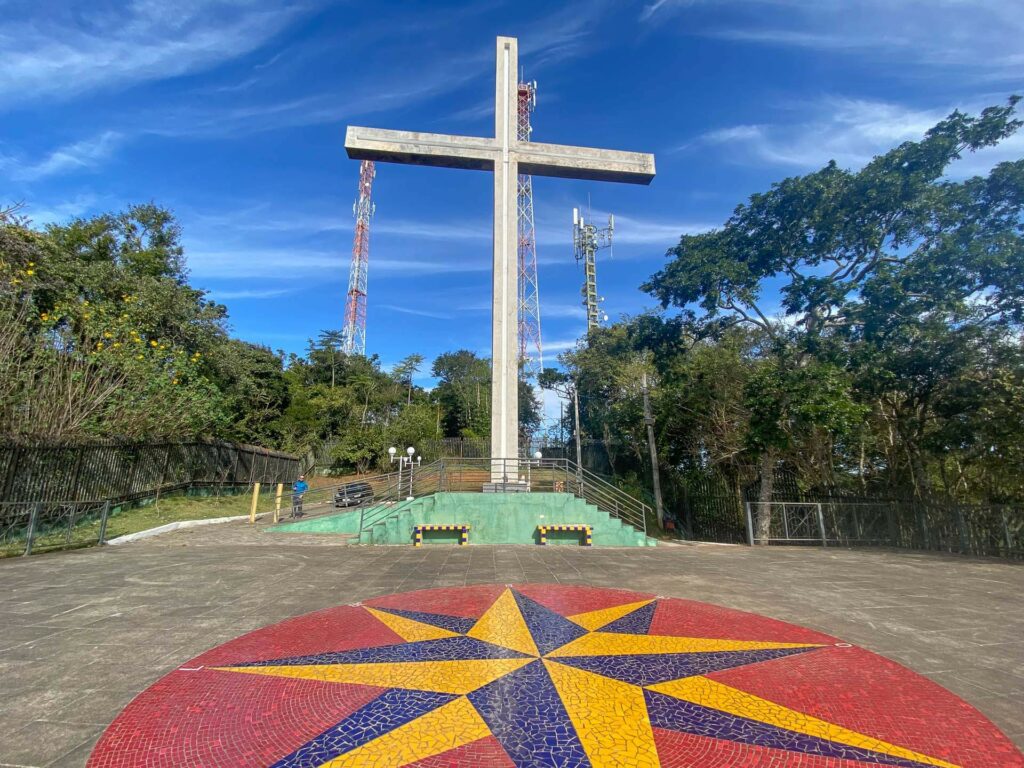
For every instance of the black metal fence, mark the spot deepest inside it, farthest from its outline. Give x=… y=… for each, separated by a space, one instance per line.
x=723 y=507
x=126 y=471
x=969 y=529
x=45 y=526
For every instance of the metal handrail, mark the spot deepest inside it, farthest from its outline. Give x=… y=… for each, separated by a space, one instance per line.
x=421 y=482
x=320 y=500
x=472 y=474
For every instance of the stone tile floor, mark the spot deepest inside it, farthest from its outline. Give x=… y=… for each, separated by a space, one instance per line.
x=82 y=633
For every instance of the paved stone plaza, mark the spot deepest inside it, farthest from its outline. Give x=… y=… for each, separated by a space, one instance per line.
x=82 y=633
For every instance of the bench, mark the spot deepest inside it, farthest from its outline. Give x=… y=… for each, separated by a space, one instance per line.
x=418 y=530
x=586 y=530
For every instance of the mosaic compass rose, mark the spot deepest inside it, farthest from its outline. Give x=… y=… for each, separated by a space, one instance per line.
x=524 y=683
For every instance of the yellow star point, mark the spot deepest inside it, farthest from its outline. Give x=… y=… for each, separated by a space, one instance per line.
x=503 y=624
x=596 y=619
x=410 y=630
x=459 y=676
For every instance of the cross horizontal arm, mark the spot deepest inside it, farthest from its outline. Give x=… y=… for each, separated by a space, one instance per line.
x=570 y=162
x=439 y=149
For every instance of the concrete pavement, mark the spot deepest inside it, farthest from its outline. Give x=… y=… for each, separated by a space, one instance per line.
x=81 y=633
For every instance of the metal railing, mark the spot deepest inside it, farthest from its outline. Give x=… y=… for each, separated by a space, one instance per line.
x=59 y=472
x=480 y=475
x=321 y=500
x=42 y=526
x=970 y=529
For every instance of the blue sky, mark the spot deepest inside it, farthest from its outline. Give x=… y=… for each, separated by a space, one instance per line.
x=232 y=114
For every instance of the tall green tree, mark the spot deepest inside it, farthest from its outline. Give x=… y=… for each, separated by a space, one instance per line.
x=896 y=282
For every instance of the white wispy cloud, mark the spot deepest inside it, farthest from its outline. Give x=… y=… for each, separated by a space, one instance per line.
x=652 y=9
x=557 y=37
x=255 y=293
x=562 y=310
x=64 y=54
x=279 y=263
x=57 y=213
x=264 y=217
x=416 y=312
x=554 y=346
x=434 y=230
x=81 y=155
x=849 y=131
x=290 y=263
x=967 y=39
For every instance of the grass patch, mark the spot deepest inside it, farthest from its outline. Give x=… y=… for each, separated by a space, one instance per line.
x=150 y=514
x=175 y=509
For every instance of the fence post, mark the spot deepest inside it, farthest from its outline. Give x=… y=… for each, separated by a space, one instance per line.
x=277 y=502
x=103 y=522
x=750 y=524
x=33 y=518
x=923 y=522
x=961 y=529
x=1006 y=532
x=163 y=474
x=821 y=525
x=890 y=519
x=255 y=500
x=71 y=524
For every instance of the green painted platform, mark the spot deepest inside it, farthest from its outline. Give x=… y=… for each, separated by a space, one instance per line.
x=494 y=518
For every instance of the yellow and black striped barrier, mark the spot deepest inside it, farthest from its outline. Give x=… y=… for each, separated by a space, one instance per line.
x=586 y=530
x=417 y=532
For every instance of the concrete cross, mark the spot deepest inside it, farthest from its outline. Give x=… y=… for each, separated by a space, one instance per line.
x=507 y=157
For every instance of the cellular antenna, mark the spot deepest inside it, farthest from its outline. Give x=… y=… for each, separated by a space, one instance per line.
x=586 y=240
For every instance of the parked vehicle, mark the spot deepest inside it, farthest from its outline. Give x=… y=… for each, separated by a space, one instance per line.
x=353 y=495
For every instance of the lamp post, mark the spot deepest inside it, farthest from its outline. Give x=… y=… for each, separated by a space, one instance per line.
x=405 y=461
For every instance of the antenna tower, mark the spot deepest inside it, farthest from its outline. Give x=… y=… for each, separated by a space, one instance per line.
x=354 y=332
x=530 y=349
x=586 y=240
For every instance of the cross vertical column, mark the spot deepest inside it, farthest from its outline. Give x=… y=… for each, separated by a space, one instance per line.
x=505 y=306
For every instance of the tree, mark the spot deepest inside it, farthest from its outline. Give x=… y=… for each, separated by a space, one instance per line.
x=896 y=283
x=404 y=371
x=464 y=393
x=109 y=338
x=834 y=233
x=253 y=380
x=330 y=342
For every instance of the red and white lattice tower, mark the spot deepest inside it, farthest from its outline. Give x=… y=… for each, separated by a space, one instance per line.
x=354 y=332
x=530 y=348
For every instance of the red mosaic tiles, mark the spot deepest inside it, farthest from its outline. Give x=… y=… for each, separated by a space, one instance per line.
x=545 y=675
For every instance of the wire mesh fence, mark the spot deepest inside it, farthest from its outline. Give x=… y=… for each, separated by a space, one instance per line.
x=123 y=471
x=970 y=529
x=44 y=526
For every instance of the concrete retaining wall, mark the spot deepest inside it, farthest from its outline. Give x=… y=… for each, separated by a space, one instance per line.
x=499 y=518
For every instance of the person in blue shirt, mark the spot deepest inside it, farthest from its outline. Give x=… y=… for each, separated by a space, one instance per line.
x=299 y=488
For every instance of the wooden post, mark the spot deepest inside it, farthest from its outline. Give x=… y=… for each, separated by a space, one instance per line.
x=255 y=500
x=277 y=502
